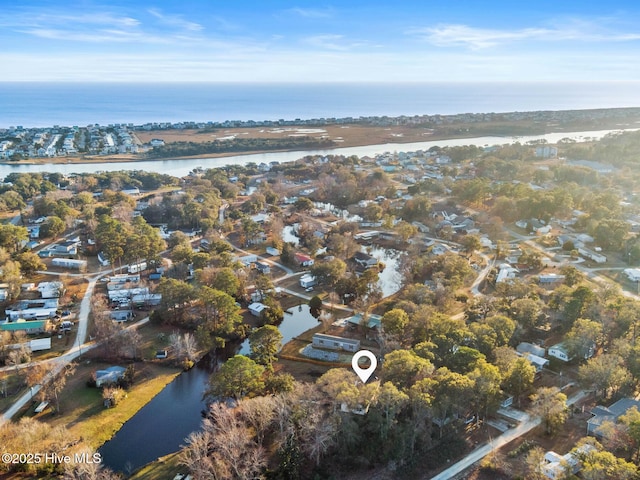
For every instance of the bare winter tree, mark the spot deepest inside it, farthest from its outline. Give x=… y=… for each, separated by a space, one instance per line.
x=259 y=413
x=224 y=449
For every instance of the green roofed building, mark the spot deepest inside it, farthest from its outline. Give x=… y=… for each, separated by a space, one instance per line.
x=373 y=320
x=27 y=326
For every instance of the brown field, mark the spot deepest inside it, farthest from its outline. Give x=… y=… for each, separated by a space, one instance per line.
x=343 y=135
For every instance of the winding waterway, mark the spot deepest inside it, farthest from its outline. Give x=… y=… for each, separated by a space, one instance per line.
x=162 y=425
x=180 y=168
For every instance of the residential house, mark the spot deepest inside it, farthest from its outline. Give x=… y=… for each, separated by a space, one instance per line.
x=109 y=376
x=506 y=272
x=533 y=225
x=596 y=257
x=263 y=267
x=124 y=278
x=65 y=248
x=273 y=251
x=121 y=315
x=332 y=342
x=50 y=289
x=26 y=326
x=526 y=347
x=307 y=281
x=609 y=414
x=134 y=191
x=538 y=362
x=39 y=309
x=560 y=352
x=373 y=321
x=303 y=260
x=556 y=466
x=633 y=274
x=550 y=278
x=69 y=263
x=364 y=260
x=103 y=260
x=247 y=259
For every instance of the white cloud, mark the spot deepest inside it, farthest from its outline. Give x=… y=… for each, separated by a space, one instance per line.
x=175 y=21
x=310 y=12
x=333 y=42
x=454 y=35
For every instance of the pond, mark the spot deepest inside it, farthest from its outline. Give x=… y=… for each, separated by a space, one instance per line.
x=289 y=234
x=390 y=279
x=162 y=425
x=297 y=320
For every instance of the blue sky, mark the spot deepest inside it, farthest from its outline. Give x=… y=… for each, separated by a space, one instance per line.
x=354 y=41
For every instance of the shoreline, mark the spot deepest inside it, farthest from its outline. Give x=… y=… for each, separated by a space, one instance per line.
x=379 y=139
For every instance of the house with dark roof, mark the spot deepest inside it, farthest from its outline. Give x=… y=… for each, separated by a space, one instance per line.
x=609 y=414
x=365 y=260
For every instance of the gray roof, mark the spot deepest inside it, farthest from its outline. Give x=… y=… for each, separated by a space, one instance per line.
x=337 y=339
x=612 y=413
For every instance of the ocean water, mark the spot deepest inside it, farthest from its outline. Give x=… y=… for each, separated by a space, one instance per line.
x=48 y=104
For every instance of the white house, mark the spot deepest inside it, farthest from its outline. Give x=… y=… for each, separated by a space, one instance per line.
x=555 y=466
x=596 y=257
x=632 y=274
x=526 y=347
x=303 y=260
x=332 y=342
x=50 y=289
x=507 y=272
x=538 y=362
x=560 y=352
x=69 y=263
x=109 y=375
x=307 y=281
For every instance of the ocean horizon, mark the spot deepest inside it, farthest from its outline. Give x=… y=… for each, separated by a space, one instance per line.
x=79 y=104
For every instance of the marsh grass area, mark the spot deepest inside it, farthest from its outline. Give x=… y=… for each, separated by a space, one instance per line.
x=351 y=135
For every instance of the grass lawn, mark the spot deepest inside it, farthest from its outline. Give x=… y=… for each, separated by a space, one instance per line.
x=165 y=467
x=14 y=388
x=83 y=413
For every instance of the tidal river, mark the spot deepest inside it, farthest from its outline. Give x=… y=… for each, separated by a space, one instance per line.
x=180 y=168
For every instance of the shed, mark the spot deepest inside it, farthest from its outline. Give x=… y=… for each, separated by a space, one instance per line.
x=257 y=308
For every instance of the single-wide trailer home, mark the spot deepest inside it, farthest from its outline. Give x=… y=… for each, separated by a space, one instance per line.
x=69 y=263
x=332 y=342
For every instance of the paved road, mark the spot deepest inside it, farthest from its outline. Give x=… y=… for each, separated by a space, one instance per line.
x=59 y=363
x=79 y=346
x=478 y=454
